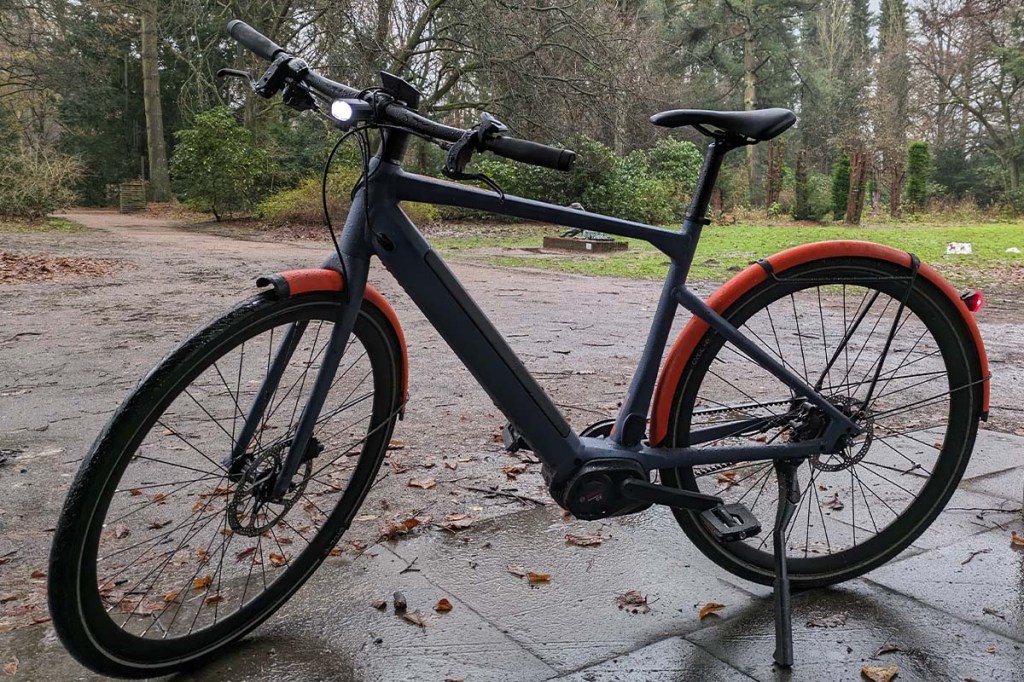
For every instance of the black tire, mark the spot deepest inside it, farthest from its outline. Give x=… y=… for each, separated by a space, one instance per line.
x=122 y=493
x=898 y=502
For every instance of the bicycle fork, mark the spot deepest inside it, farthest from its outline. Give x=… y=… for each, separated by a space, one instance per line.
x=355 y=283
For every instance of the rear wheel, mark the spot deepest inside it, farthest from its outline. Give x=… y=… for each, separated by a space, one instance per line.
x=908 y=374
x=163 y=553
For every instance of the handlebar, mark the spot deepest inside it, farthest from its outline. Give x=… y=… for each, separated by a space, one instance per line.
x=396 y=113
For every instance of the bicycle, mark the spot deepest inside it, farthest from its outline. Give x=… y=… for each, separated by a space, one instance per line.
x=226 y=477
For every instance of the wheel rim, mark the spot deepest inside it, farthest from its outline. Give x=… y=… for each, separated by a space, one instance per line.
x=173 y=572
x=858 y=505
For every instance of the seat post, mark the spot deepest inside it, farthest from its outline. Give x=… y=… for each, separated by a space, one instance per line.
x=696 y=216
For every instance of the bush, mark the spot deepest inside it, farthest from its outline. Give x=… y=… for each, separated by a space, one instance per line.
x=650 y=186
x=918 y=167
x=303 y=205
x=33 y=184
x=216 y=165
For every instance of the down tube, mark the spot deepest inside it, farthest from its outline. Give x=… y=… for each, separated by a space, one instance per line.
x=456 y=316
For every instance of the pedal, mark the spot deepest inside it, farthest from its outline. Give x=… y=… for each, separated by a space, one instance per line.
x=512 y=440
x=730 y=522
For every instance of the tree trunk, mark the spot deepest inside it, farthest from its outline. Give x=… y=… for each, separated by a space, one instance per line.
x=749 y=101
x=159 y=178
x=895 y=188
x=801 y=210
x=774 y=175
x=855 y=199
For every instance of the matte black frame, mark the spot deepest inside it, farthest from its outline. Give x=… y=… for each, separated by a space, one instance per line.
x=376 y=225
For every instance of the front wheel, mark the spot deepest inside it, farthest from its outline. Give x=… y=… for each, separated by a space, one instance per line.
x=165 y=552
x=884 y=346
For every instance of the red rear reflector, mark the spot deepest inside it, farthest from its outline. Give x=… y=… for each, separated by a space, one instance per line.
x=974 y=300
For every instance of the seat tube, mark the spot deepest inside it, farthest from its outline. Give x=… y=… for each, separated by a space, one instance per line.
x=631 y=424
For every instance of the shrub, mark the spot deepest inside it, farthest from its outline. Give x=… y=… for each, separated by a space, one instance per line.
x=303 y=205
x=216 y=165
x=840 y=186
x=33 y=184
x=918 y=171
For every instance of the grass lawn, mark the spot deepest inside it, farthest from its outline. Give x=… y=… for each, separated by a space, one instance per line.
x=726 y=249
x=44 y=225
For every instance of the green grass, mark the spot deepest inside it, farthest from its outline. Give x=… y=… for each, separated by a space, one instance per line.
x=726 y=249
x=45 y=225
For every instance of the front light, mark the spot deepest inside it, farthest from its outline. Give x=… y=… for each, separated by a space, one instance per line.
x=341 y=111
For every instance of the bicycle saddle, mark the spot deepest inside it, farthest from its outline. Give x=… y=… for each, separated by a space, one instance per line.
x=758 y=125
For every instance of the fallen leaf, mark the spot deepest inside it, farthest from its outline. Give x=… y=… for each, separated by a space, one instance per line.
x=538 y=577
x=38 y=574
x=159 y=498
x=833 y=621
x=1016 y=540
x=11 y=666
x=518 y=571
x=392 y=530
x=451 y=465
x=416 y=618
x=633 y=601
x=990 y=650
x=247 y=552
x=214 y=599
x=37 y=620
x=879 y=673
x=443 y=606
x=278 y=559
x=283 y=540
x=513 y=471
x=591 y=540
x=202 y=583
x=833 y=503
x=727 y=479
x=157 y=525
x=335 y=551
x=710 y=608
x=399 y=467
x=396 y=444
x=425 y=484
x=171 y=597
x=202 y=554
x=528 y=457
x=379 y=604
x=5 y=560
x=456 y=522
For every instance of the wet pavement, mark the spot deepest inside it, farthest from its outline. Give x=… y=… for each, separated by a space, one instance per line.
x=950 y=608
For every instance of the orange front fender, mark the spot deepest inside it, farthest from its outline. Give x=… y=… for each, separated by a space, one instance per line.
x=731 y=291
x=295 y=282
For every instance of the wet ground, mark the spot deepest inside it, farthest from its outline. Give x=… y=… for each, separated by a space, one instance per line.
x=952 y=607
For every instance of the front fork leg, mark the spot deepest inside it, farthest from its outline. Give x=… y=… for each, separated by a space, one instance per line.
x=332 y=355
x=789 y=498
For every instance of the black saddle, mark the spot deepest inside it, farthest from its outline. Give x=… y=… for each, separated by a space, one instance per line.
x=753 y=126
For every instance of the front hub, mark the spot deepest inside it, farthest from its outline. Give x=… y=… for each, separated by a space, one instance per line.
x=253 y=509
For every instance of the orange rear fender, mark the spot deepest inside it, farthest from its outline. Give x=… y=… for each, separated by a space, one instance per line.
x=731 y=291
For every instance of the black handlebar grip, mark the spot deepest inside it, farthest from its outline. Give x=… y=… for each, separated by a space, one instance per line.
x=532 y=152
x=258 y=43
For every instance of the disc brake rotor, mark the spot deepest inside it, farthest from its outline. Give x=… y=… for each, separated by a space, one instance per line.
x=251 y=510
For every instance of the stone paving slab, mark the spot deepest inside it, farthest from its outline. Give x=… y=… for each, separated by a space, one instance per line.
x=966 y=578
x=932 y=645
x=574 y=621
x=670 y=660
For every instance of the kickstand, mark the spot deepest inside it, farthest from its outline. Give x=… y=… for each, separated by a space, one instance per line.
x=789 y=497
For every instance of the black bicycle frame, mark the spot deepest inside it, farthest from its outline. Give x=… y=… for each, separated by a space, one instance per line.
x=376 y=225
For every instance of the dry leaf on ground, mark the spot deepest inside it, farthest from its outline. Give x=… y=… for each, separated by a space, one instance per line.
x=202 y=583
x=712 y=607
x=589 y=540
x=517 y=571
x=879 y=673
x=443 y=606
x=538 y=577
x=425 y=484
x=396 y=444
x=121 y=531
x=391 y=530
x=379 y=604
x=278 y=559
x=11 y=666
x=457 y=522
x=38 y=574
x=633 y=601
x=214 y=599
x=1016 y=540
x=416 y=618
x=513 y=471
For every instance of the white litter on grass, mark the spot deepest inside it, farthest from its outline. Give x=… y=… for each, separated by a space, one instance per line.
x=1013 y=249
x=958 y=248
